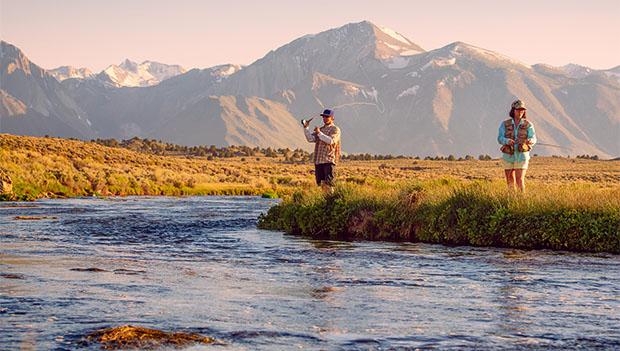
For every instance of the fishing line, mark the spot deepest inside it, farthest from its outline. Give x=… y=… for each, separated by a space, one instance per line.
x=553 y=145
x=375 y=91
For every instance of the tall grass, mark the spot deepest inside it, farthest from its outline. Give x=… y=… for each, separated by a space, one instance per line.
x=53 y=167
x=574 y=217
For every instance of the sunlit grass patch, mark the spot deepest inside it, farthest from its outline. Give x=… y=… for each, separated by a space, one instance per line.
x=561 y=217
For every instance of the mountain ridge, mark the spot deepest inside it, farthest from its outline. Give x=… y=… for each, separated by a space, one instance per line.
x=34 y=102
x=390 y=96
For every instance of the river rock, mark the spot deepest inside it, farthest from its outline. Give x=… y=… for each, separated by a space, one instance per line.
x=132 y=337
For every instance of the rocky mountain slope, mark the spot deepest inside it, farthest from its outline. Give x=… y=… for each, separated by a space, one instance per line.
x=35 y=103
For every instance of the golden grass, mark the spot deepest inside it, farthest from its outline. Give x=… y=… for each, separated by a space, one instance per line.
x=54 y=167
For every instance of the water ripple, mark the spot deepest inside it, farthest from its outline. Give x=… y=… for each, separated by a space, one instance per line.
x=199 y=264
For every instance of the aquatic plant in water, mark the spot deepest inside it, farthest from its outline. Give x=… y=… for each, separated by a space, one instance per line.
x=129 y=336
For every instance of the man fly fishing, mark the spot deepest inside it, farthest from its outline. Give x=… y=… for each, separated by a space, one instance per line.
x=326 y=148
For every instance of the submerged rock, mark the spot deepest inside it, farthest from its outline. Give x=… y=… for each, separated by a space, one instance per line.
x=128 y=271
x=33 y=218
x=11 y=276
x=91 y=269
x=131 y=337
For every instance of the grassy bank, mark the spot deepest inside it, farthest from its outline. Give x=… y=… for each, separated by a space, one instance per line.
x=54 y=167
x=575 y=217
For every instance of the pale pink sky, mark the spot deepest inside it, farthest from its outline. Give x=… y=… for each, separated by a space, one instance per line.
x=201 y=34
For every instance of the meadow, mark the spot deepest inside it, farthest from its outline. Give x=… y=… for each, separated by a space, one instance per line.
x=54 y=167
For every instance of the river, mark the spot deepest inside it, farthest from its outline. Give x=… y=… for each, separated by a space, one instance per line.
x=199 y=264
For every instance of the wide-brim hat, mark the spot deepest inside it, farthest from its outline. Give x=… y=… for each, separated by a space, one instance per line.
x=518 y=105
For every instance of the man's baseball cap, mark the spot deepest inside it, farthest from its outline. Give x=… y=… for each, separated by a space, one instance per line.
x=328 y=113
x=518 y=105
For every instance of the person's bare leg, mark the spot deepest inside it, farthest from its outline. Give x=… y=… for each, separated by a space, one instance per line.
x=510 y=178
x=520 y=177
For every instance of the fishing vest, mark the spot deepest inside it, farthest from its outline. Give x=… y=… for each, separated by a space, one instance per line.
x=521 y=136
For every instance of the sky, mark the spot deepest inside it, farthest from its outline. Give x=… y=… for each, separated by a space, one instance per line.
x=200 y=34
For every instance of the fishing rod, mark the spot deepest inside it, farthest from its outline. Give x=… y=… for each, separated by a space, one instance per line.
x=553 y=145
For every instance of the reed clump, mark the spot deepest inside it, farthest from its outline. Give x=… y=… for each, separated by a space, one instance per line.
x=573 y=217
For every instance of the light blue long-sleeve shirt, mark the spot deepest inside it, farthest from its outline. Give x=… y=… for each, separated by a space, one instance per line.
x=518 y=156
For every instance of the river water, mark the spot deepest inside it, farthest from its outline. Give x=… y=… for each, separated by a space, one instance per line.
x=199 y=264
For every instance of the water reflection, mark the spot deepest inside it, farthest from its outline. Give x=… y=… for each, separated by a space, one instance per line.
x=512 y=304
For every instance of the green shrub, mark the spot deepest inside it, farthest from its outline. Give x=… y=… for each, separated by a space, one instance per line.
x=447 y=212
x=270 y=195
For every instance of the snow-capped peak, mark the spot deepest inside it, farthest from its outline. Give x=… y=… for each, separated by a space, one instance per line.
x=392 y=33
x=392 y=48
x=576 y=71
x=228 y=69
x=66 y=72
x=131 y=74
x=129 y=65
x=460 y=48
x=222 y=72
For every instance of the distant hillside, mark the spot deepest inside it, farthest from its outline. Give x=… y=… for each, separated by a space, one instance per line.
x=35 y=103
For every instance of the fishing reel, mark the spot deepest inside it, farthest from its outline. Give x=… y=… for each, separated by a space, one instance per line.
x=306 y=122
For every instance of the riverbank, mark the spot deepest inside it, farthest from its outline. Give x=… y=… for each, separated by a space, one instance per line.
x=573 y=217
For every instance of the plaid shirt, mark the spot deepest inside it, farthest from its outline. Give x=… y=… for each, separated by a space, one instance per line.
x=324 y=152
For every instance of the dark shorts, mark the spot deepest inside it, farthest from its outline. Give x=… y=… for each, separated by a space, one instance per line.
x=324 y=172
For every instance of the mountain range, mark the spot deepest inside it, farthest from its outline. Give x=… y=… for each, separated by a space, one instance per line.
x=126 y=74
x=65 y=72
x=390 y=96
